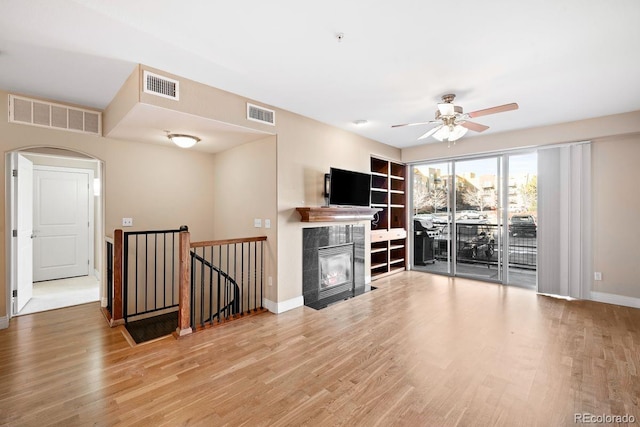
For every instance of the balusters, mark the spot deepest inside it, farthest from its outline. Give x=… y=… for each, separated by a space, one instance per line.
x=231 y=293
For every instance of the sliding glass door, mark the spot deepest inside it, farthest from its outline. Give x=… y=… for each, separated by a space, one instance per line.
x=432 y=214
x=522 y=219
x=476 y=218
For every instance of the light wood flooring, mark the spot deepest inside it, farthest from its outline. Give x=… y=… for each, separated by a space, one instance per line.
x=421 y=350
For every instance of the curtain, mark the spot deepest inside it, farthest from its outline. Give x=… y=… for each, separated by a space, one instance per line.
x=564 y=220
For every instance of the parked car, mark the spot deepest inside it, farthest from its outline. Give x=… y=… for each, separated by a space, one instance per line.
x=523 y=225
x=468 y=214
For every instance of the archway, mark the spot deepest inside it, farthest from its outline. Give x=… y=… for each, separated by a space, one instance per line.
x=58 y=172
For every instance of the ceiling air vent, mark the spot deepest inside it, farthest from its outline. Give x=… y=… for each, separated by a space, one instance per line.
x=161 y=86
x=260 y=114
x=34 y=112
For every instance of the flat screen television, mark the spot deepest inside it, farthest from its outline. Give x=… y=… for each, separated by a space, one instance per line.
x=349 y=188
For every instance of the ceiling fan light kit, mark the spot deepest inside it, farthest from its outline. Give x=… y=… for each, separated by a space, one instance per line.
x=452 y=123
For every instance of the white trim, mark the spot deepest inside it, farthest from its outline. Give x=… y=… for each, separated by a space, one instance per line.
x=281 y=307
x=367 y=279
x=103 y=302
x=4 y=322
x=615 y=299
x=9 y=225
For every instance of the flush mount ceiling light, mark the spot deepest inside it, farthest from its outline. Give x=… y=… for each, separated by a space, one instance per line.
x=360 y=122
x=182 y=140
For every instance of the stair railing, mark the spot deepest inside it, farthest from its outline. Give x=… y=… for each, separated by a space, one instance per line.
x=217 y=280
x=220 y=280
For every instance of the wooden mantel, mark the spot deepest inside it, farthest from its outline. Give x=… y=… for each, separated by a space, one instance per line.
x=330 y=214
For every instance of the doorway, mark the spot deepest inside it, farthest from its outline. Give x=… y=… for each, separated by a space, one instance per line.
x=56 y=209
x=478 y=218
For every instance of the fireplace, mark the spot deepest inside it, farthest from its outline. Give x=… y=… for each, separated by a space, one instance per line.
x=336 y=269
x=333 y=264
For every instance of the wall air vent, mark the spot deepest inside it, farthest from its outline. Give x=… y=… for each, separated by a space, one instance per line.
x=161 y=86
x=34 y=112
x=261 y=114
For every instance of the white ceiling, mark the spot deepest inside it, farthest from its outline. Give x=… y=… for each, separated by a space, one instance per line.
x=560 y=60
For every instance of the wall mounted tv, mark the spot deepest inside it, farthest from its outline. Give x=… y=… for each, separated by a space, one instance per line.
x=349 y=188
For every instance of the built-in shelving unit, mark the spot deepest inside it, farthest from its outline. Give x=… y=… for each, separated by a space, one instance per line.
x=388 y=228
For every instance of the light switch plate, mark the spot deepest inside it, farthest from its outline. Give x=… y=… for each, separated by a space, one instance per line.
x=267 y=223
x=257 y=223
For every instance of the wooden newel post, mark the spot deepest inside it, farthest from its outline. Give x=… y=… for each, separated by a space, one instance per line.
x=116 y=315
x=184 y=299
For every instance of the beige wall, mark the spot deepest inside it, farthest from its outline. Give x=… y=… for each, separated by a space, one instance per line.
x=159 y=187
x=616 y=215
x=244 y=187
x=616 y=172
x=306 y=151
x=163 y=187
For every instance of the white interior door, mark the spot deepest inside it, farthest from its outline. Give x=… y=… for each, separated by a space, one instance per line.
x=24 y=227
x=61 y=223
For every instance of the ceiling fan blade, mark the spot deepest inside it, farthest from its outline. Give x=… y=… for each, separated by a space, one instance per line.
x=476 y=127
x=494 y=110
x=430 y=132
x=413 y=124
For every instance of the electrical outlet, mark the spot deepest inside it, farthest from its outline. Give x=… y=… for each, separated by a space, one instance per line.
x=257 y=223
x=597 y=275
x=127 y=222
x=267 y=223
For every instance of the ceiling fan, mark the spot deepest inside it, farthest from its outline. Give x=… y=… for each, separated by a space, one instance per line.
x=452 y=123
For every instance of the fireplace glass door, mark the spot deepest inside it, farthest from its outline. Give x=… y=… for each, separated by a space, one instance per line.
x=336 y=267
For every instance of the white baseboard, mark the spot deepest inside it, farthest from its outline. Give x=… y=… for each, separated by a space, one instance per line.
x=4 y=322
x=103 y=302
x=281 y=307
x=615 y=299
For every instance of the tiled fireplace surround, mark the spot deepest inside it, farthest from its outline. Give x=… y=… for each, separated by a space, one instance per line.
x=332 y=264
